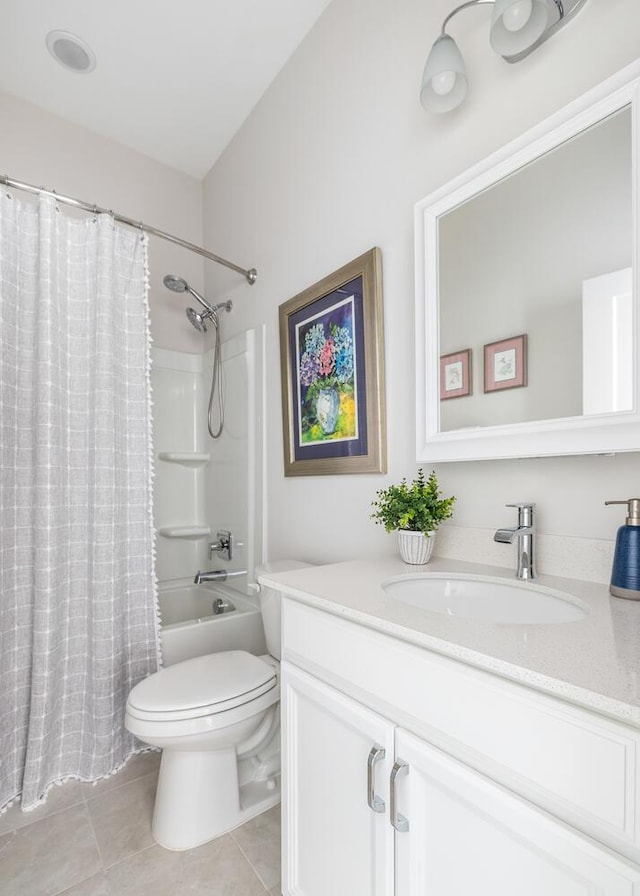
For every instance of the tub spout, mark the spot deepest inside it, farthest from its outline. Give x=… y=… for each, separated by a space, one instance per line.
x=214 y=575
x=218 y=575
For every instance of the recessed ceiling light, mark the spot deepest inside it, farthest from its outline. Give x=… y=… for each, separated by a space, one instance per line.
x=71 y=51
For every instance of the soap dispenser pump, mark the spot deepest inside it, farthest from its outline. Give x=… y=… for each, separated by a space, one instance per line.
x=625 y=575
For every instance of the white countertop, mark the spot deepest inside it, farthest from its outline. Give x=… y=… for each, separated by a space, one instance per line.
x=594 y=662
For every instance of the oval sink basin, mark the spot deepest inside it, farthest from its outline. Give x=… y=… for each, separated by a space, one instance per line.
x=486 y=598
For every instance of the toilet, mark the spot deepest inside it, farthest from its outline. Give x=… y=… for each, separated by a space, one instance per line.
x=217 y=720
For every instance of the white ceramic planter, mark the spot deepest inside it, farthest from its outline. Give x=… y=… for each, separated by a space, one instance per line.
x=415 y=547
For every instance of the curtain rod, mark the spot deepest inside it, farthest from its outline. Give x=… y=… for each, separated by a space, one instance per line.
x=251 y=274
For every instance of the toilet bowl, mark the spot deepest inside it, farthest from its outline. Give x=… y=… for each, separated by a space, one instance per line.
x=217 y=720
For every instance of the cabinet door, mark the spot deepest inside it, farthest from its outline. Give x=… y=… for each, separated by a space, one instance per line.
x=334 y=843
x=467 y=834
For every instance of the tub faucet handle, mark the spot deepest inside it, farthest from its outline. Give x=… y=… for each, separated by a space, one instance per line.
x=223 y=546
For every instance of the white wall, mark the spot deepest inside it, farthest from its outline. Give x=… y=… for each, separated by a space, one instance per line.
x=41 y=149
x=329 y=164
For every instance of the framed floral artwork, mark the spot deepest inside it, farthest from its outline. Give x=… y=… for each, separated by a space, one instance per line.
x=455 y=375
x=332 y=366
x=505 y=364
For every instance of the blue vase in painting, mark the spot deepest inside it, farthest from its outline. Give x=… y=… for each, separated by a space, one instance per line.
x=328 y=409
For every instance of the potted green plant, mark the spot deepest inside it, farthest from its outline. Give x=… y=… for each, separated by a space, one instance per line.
x=414 y=511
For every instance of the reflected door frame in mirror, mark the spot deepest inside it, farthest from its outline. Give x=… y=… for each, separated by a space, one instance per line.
x=594 y=434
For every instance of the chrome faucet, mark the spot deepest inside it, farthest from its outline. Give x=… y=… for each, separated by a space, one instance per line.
x=223 y=546
x=217 y=575
x=525 y=533
x=214 y=575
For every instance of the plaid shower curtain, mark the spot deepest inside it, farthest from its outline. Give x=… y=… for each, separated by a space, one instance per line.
x=78 y=620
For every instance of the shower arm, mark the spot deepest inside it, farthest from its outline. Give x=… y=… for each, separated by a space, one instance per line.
x=211 y=309
x=199 y=298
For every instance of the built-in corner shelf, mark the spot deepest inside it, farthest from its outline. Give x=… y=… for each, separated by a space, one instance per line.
x=186 y=458
x=185 y=531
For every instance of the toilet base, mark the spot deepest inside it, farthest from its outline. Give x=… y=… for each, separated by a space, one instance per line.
x=199 y=797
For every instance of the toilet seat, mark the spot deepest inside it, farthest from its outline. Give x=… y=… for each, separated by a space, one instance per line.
x=202 y=686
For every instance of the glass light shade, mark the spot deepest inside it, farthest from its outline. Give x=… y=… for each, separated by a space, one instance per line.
x=519 y=33
x=444 y=81
x=517 y=15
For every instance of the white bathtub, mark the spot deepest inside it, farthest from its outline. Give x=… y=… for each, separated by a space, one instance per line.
x=189 y=627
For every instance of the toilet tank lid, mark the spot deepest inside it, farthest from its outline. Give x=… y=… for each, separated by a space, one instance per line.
x=274 y=566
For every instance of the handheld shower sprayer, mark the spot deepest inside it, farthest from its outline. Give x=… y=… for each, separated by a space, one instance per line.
x=198 y=319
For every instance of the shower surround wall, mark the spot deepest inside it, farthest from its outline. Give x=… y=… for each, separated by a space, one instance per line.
x=204 y=485
x=178 y=440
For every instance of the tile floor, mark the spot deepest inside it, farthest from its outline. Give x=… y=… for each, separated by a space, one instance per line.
x=96 y=841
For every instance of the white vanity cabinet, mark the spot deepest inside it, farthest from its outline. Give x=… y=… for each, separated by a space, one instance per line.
x=467 y=834
x=335 y=843
x=539 y=798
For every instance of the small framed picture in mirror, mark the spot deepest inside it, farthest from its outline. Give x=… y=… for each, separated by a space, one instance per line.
x=455 y=375
x=505 y=364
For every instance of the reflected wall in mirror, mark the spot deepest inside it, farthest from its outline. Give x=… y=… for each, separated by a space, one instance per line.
x=529 y=244
x=537 y=240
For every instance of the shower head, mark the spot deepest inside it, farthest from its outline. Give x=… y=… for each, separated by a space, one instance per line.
x=178 y=284
x=198 y=320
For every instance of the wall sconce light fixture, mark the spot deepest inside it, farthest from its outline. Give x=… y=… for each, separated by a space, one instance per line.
x=518 y=27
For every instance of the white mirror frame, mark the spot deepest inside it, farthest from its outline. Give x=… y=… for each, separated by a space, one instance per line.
x=595 y=434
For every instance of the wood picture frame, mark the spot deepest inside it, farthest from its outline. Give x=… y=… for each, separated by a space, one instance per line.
x=332 y=371
x=455 y=375
x=505 y=364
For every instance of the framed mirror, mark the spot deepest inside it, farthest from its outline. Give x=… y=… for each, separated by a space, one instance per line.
x=527 y=323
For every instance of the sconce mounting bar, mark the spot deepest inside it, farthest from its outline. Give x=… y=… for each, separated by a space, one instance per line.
x=567 y=9
x=564 y=9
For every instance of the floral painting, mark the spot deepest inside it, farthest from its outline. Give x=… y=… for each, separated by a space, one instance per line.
x=327 y=393
x=332 y=373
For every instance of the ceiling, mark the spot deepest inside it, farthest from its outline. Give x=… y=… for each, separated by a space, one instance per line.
x=173 y=80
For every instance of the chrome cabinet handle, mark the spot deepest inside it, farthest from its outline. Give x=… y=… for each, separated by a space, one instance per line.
x=376 y=755
x=399 y=822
